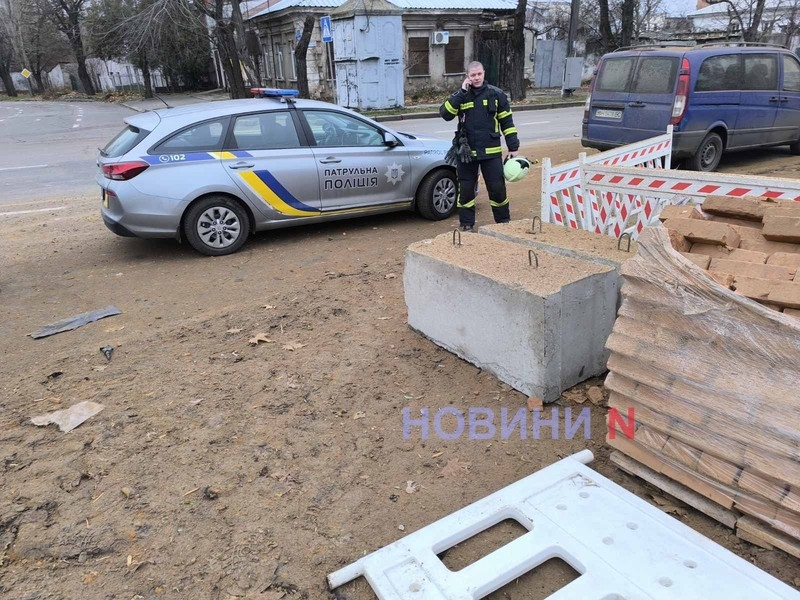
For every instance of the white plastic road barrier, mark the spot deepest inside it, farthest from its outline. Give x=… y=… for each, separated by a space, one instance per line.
x=623 y=190
x=564 y=200
x=623 y=547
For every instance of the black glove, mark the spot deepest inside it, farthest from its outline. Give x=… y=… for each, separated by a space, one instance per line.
x=464 y=151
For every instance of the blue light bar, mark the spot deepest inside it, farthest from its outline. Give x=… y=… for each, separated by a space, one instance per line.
x=273 y=92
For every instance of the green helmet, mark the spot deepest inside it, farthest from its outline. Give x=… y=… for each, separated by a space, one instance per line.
x=515 y=168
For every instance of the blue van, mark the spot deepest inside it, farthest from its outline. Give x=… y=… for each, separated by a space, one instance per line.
x=718 y=97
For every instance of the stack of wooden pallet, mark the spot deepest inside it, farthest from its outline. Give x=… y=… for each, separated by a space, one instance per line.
x=705 y=354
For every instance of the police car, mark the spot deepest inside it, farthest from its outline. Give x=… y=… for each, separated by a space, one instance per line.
x=213 y=173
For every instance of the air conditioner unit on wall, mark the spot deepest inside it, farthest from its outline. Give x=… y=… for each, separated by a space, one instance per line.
x=439 y=38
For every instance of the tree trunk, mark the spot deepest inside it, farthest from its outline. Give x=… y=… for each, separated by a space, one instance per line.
x=230 y=60
x=626 y=24
x=5 y=75
x=300 y=52
x=607 y=41
x=516 y=58
x=144 y=65
x=752 y=34
x=241 y=47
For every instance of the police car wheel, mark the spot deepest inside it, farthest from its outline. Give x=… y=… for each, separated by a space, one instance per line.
x=216 y=226
x=436 y=196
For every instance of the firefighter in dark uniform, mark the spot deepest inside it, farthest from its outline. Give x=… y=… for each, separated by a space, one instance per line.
x=483 y=114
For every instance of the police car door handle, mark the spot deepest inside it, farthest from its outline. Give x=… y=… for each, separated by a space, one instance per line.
x=241 y=165
x=329 y=160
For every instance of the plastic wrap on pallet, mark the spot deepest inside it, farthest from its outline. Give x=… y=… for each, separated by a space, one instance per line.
x=713 y=379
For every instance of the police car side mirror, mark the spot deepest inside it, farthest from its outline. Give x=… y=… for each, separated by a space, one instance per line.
x=389 y=139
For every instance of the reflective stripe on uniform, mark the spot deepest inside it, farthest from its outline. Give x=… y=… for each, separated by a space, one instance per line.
x=498 y=204
x=467 y=105
x=504 y=114
x=470 y=204
x=509 y=131
x=449 y=108
x=495 y=150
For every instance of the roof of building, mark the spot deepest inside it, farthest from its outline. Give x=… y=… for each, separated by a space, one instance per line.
x=272 y=6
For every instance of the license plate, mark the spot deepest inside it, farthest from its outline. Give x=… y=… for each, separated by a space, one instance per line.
x=103 y=197
x=603 y=113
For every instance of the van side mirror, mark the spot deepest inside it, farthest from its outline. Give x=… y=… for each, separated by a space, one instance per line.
x=389 y=139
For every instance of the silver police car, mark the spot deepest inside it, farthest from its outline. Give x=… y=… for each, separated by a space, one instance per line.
x=214 y=173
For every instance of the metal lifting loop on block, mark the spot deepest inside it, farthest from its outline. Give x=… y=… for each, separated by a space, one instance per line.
x=533 y=224
x=456 y=232
x=531 y=256
x=619 y=241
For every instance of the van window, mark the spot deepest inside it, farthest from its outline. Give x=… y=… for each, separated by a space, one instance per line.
x=760 y=72
x=614 y=75
x=655 y=75
x=718 y=73
x=791 y=74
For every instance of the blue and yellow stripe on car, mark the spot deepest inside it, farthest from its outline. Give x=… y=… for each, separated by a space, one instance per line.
x=171 y=158
x=271 y=191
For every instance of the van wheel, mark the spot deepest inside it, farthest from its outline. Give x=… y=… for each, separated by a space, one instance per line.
x=708 y=154
x=436 y=196
x=216 y=226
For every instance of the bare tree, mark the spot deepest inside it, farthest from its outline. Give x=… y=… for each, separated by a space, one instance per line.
x=516 y=58
x=6 y=59
x=747 y=14
x=45 y=45
x=68 y=16
x=300 y=52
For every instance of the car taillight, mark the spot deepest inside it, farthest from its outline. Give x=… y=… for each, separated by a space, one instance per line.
x=682 y=94
x=124 y=171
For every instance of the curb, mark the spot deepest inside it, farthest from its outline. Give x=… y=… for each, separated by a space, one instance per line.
x=134 y=108
x=435 y=115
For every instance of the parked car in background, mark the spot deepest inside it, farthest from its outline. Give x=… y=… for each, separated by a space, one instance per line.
x=214 y=173
x=718 y=97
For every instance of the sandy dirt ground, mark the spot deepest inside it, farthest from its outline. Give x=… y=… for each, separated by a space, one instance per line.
x=220 y=469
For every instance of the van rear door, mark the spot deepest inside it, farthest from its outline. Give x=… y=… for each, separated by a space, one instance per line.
x=652 y=94
x=609 y=99
x=787 y=121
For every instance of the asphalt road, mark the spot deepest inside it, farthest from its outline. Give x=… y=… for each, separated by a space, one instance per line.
x=48 y=149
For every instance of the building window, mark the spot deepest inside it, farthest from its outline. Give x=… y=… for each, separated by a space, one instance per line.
x=278 y=61
x=454 y=55
x=293 y=64
x=267 y=67
x=418 y=49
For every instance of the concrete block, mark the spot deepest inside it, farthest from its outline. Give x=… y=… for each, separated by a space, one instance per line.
x=573 y=243
x=540 y=330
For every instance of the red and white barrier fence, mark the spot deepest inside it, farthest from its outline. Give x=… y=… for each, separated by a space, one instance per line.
x=623 y=190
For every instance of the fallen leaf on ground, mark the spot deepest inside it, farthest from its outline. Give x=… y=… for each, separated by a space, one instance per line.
x=233 y=330
x=535 y=403
x=360 y=415
x=261 y=337
x=454 y=467
x=391 y=276
x=293 y=346
x=595 y=395
x=411 y=487
x=268 y=307
x=436 y=454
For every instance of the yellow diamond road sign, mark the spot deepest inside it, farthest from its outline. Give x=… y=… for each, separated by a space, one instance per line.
x=26 y=73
